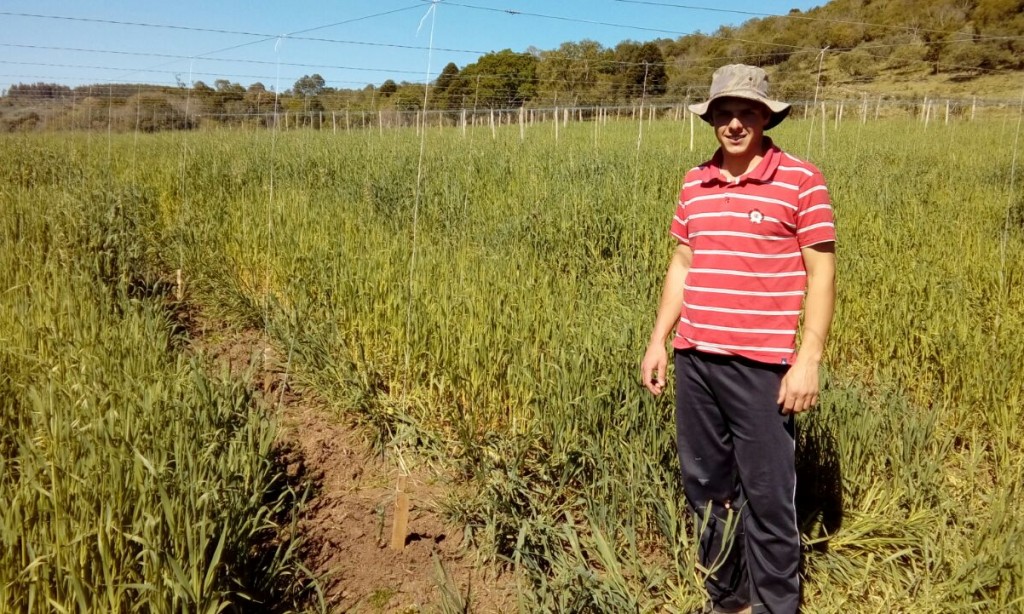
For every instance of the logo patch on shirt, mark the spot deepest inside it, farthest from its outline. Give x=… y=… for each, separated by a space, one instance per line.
x=756 y=216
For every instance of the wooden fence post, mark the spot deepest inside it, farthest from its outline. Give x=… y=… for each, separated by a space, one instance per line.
x=400 y=526
x=824 y=122
x=691 y=131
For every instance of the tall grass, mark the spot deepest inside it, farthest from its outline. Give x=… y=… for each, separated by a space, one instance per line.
x=131 y=479
x=537 y=269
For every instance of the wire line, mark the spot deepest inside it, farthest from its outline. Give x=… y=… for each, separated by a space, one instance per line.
x=264 y=35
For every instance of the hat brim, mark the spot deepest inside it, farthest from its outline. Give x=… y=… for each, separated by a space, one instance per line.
x=779 y=110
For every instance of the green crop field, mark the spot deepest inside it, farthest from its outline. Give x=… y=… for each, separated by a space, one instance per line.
x=488 y=309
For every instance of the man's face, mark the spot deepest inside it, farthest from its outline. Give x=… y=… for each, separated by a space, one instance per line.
x=739 y=125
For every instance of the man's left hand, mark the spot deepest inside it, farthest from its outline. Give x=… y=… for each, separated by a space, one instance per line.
x=799 y=390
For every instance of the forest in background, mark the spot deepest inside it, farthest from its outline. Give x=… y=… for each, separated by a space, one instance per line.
x=849 y=48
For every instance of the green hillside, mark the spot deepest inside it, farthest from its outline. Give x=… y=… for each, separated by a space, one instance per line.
x=939 y=48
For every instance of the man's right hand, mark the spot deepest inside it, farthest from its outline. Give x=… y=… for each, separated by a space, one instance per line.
x=653 y=367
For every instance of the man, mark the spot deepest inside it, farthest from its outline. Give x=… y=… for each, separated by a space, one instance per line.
x=755 y=232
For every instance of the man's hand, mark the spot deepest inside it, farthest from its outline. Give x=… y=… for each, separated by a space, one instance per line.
x=799 y=390
x=655 y=363
x=653 y=367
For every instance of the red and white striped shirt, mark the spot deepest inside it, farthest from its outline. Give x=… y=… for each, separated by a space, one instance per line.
x=746 y=282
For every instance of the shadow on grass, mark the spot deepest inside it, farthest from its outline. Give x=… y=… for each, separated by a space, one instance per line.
x=819 y=485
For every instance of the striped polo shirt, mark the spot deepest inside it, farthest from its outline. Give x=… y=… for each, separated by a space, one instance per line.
x=746 y=282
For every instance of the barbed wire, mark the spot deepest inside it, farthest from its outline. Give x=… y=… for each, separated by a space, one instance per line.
x=202 y=56
x=185 y=57
x=607 y=24
x=264 y=35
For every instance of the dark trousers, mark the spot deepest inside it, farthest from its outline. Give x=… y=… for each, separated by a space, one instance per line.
x=736 y=451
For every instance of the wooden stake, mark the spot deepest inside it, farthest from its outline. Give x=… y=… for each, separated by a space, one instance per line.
x=691 y=131
x=401 y=523
x=179 y=290
x=824 y=122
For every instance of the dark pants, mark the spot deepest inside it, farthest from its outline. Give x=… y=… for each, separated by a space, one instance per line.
x=737 y=452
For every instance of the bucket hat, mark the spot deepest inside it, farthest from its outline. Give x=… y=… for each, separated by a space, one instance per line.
x=741 y=81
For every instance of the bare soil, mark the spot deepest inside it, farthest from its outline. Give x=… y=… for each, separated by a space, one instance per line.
x=346 y=526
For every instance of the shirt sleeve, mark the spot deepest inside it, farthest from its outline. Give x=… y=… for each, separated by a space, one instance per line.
x=814 y=219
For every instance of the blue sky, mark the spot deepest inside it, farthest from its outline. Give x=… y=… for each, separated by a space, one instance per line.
x=362 y=42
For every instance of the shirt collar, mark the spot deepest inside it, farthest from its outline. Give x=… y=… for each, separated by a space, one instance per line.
x=711 y=171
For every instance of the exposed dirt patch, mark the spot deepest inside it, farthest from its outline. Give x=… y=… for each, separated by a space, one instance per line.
x=347 y=525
